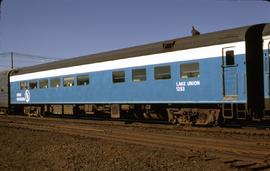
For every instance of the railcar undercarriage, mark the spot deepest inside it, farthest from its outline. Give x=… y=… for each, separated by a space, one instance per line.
x=162 y=112
x=187 y=115
x=194 y=116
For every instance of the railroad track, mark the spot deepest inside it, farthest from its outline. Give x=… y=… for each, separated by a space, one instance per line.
x=148 y=125
x=237 y=152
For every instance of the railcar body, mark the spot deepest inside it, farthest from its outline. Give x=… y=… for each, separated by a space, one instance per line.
x=191 y=80
x=4 y=92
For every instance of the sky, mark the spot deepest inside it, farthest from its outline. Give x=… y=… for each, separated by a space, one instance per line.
x=71 y=28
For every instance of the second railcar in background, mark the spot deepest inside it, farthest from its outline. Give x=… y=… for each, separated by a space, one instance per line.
x=4 y=92
x=202 y=79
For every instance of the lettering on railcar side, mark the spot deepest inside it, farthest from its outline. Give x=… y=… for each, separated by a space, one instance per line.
x=26 y=98
x=181 y=85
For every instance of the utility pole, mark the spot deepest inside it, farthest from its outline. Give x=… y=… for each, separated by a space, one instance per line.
x=12 y=60
x=0 y=5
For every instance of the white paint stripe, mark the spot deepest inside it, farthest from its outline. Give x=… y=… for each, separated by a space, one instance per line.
x=266 y=42
x=266 y=37
x=176 y=56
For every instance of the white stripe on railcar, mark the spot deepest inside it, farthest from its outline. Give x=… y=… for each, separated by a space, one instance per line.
x=162 y=58
x=266 y=37
x=266 y=42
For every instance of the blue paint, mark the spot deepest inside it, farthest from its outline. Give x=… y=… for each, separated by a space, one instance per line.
x=207 y=88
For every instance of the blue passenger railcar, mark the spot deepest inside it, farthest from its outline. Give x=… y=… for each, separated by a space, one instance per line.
x=191 y=80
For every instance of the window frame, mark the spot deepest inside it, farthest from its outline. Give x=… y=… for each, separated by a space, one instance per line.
x=229 y=58
x=25 y=87
x=122 y=79
x=162 y=75
x=55 y=78
x=40 y=83
x=68 y=85
x=33 y=81
x=139 y=77
x=87 y=82
x=186 y=72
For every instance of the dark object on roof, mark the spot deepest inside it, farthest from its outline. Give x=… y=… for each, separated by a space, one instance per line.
x=194 y=31
x=168 y=45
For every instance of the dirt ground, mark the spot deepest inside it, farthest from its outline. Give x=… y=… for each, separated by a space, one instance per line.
x=26 y=149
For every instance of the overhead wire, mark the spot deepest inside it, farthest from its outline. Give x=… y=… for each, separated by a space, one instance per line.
x=10 y=59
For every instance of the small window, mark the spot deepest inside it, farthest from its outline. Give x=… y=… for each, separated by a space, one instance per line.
x=230 y=57
x=82 y=80
x=138 y=75
x=43 y=83
x=118 y=76
x=55 y=82
x=189 y=70
x=68 y=81
x=23 y=85
x=33 y=84
x=162 y=72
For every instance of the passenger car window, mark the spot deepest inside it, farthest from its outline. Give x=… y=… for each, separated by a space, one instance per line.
x=230 y=57
x=55 y=82
x=162 y=72
x=68 y=81
x=118 y=76
x=23 y=85
x=33 y=84
x=190 y=70
x=82 y=80
x=43 y=83
x=138 y=75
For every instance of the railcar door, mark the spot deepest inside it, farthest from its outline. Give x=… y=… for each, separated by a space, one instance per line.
x=268 y=68
x=230 y=77
x=267 y=80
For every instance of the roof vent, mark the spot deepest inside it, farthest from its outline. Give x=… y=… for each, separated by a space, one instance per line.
x=168 y=45
x=194 y=31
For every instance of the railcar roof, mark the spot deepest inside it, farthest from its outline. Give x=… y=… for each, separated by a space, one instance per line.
x=4 y=72
x=220 y=37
